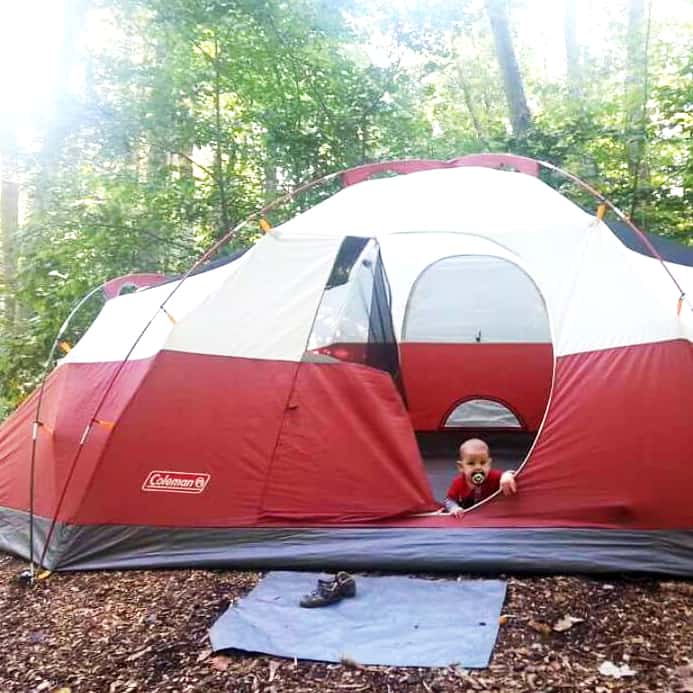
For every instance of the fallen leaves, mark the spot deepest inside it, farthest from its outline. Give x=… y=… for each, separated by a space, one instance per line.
x=566 y=623
x=134 y=657
x=130 y=631
x=539 y=626
x=615 y=671
x=220 y=662
x=677 y=587
x=684 y=678
x=273 y=668
x=203 y=655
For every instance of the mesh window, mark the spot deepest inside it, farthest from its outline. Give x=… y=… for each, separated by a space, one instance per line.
x=482 y=413
x=353 y=322
x=475 y=298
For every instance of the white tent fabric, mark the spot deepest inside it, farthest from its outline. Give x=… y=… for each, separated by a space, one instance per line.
x=268 y=298
x=576 y=261
x=122 y=319
x=268 y=306
x=598 y=294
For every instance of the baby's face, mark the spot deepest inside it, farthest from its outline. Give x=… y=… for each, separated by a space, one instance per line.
x=475 y=467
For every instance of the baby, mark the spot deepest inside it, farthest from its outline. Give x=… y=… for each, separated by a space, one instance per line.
x=476 y=479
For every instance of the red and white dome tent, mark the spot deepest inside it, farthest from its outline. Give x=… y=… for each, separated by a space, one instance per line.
x=256 y=414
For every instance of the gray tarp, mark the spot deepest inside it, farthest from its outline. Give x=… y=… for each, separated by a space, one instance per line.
x=394 y=620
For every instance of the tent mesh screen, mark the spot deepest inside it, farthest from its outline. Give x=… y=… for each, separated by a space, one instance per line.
x=354 y=320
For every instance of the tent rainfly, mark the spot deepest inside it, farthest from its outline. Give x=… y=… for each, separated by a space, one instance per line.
x=267 y=416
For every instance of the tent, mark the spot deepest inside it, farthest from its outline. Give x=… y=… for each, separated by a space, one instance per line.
x=263 y=413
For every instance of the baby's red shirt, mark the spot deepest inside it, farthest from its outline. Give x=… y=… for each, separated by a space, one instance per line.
x=466 y=495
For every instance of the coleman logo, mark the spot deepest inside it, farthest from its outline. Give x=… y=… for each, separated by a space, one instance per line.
x=176 y=482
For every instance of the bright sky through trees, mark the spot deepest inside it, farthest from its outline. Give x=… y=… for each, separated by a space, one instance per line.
x=31 y=32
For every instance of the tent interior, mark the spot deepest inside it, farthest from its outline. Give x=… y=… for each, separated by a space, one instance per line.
x=466 y=338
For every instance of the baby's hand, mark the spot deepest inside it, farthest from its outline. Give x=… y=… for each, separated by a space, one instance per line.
x=508 y=485
x=457 y=512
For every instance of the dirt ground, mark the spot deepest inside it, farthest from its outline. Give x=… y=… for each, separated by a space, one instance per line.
x=147 y=631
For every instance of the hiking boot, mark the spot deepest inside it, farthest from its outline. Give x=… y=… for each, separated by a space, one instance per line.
x=343 y=580
x=324 y=595
x=330 y=591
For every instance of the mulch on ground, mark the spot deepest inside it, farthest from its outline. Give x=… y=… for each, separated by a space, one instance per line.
x=121 y=631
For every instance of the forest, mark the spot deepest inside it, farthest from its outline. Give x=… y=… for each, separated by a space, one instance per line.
x=167 y=122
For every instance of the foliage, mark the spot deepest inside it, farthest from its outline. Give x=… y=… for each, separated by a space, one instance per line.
x=195 y=113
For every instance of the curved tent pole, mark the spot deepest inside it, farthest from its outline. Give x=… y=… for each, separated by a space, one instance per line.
x=93 y=419
x=349 y=177
x=523 y=164
x=209 y=253
x=37 y=422
x=108 y=290
x=605 y=201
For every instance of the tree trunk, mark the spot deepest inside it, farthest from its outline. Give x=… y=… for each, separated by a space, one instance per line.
x=64 y=110
x=271 y=183
x=184 y=163
x=572 y=56
x=9 y=223
x=636 y=95
x=218 y=153
x=469 y=103
x=512 y=80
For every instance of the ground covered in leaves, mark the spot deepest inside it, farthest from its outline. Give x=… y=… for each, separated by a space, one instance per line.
x=147 y=631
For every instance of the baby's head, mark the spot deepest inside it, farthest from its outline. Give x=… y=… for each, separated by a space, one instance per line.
x=475 y=461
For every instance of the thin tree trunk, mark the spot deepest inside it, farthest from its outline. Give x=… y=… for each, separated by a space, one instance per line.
x=184 y=163
x=64 y=104
x=636 y=95
x=520 y=117
x=9 y=223
x=469 y=103
x=572 y=56
x=271 y=183
x=219 y=159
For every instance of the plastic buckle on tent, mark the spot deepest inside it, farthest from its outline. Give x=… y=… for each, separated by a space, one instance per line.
x=264 y=224
x=168 y=315
x=35 y=429
x=679 y=304
x=601 y=211
x=110 y=425
x=29 y=576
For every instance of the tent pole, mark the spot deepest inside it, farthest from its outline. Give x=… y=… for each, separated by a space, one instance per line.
x=36 y=423
x=605 y=201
